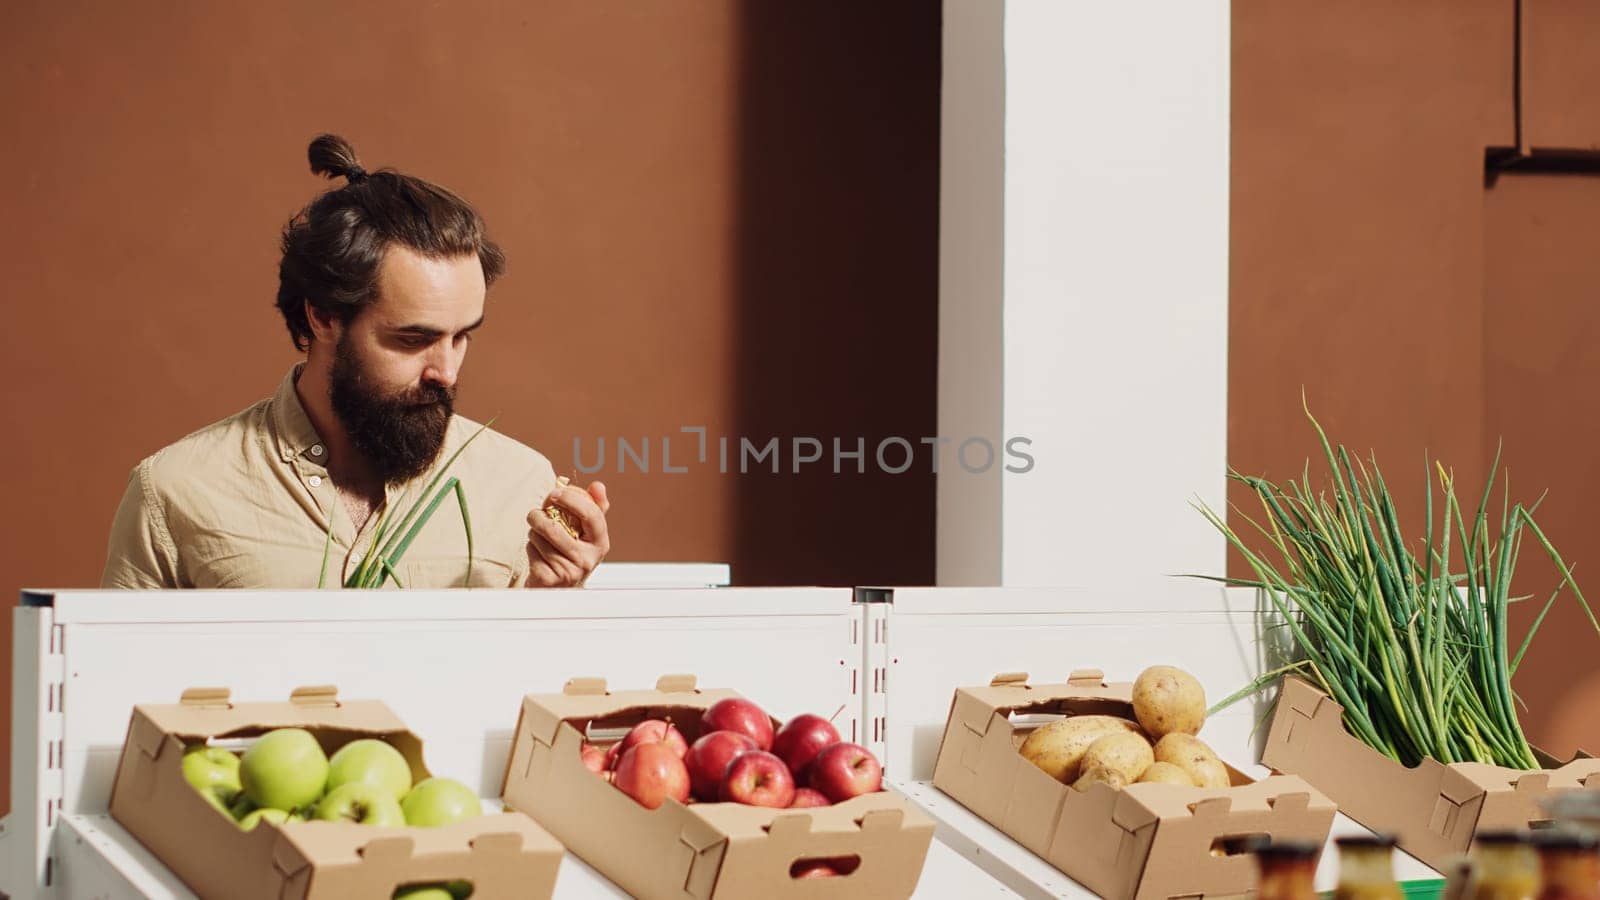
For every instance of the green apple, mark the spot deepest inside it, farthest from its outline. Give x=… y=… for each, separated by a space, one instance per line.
x=370 y=761
x=423 y=892
x=212 y=770
x=284 y=769
x=459 y=890
x=362 y=803
x=241 y=806
x=257 y=816
x=440 y=801
x=211 y=796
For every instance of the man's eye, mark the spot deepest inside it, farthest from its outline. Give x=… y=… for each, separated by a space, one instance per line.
x=416 y=343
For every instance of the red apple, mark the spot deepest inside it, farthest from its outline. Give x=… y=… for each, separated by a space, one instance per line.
x=594 y=759
x=654 y=731
x=808 y=797
x=611 y=756
x=800 y=740
x=652 y=772
x=843 y=771
x=757 y=778
x=739 y=714
x=709 y=757
x=815 y=870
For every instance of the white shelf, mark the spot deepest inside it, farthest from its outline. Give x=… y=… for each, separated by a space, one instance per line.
x=1026 y=873
x=1016 y=867
x=101 y=861
x=454 y=666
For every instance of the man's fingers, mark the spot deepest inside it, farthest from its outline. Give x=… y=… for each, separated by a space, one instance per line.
x=581 y=506
x=555 y=557
x=567 y=573
x=555 y=533
x=540 y=572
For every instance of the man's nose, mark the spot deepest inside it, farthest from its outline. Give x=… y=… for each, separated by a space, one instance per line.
x=443 y=367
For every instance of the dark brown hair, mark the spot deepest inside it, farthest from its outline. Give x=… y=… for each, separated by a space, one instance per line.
x=333 y=247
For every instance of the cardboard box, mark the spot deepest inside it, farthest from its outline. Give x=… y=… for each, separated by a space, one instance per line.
x=1434 y=809
x=504 y=855
x=698 y=850
x=1145 y=840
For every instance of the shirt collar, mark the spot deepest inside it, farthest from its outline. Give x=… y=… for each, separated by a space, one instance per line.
x=291 y=425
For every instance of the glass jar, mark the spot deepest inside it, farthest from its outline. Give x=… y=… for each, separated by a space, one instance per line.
x=1508 y=867
x=1569 y=865
x=1366 y=868
x=1288 y=870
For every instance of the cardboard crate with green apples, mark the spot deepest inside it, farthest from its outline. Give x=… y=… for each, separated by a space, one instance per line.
x=328 y=799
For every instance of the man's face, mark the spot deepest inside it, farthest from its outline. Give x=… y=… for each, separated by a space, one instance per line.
x=396 y=362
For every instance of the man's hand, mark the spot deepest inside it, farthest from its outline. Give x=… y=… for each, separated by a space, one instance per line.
x=555 y=557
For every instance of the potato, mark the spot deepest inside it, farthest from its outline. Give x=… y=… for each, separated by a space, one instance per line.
x=1108 y=777
x=1057 y=748
x=1128 y=754
x=1165 y=773
x=1195 y=758
x=1182 y=749
x=1167 y=700
x=1209 y=773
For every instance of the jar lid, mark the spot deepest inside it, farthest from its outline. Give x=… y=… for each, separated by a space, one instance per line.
x=1266 y=848
x=1502 y=838
x=1564 y=839
x=1366 y=841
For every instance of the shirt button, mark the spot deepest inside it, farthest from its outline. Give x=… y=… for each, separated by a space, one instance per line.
x=316 y=449
x=316 y=481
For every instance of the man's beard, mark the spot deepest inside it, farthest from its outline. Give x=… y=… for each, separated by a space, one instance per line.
x=399 y=434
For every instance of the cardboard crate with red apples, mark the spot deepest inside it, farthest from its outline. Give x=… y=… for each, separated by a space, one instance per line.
x=157 y=799
x=1139 y=841
x=691 y=802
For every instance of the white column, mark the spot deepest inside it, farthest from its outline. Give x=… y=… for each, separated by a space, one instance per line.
x=1084 y=285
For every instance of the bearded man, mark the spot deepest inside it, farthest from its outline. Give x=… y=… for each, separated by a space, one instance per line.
x=382 y=284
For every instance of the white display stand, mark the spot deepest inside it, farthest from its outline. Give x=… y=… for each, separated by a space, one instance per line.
x=938 y=639
x=455 y=664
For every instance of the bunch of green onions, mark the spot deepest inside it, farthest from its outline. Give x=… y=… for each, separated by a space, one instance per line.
x=1417 y=654
x=391 y=539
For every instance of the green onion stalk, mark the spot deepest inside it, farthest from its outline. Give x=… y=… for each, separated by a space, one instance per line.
x=1416 y=652
x=392 y=537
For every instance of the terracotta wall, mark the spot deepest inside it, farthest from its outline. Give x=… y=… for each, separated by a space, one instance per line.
x=717 y=213
x=1542 y=367
x=1423 y=307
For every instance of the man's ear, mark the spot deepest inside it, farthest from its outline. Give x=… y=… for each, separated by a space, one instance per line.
x=324 y=326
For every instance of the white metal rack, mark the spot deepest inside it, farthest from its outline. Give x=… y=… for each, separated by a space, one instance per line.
x=939 y=639
x=455 y=664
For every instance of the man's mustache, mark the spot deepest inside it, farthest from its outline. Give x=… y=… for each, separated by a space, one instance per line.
x=429 y=395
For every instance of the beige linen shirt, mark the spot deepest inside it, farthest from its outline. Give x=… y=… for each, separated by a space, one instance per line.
x=247 y=502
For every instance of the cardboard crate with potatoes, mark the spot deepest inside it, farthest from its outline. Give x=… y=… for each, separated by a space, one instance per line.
x=1433 y=809
x=1119 y=839
x=653 y=839
x=164 y=803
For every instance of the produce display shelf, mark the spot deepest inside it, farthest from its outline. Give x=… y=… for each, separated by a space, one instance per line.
x=101 y=861
x=453 y=664
x=888 y=660
x=1024 y=872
